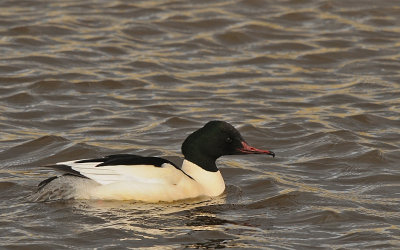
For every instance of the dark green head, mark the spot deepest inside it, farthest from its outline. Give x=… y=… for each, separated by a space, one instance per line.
x=217 y=138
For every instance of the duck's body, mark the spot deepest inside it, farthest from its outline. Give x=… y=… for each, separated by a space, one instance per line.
x=150 y=179
x=150 y=183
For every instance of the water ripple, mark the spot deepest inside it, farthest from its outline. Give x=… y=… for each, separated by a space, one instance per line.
x=315 y=81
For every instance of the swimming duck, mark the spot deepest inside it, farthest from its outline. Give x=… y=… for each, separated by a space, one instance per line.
x=150 y=179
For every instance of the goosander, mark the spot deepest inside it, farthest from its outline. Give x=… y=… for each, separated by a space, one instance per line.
x=150 y=179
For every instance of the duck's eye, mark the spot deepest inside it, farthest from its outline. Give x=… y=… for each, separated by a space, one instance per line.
x=228 y=140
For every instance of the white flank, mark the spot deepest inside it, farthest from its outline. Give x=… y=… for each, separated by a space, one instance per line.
x=138 y=182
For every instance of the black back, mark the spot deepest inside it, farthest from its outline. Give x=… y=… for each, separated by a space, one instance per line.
x=128 y=159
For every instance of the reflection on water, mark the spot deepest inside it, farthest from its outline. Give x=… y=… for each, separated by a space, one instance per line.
x=315 y=81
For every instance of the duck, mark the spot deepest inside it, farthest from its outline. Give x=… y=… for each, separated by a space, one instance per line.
x=149 y=178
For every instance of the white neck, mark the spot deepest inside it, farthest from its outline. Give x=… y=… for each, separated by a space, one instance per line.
x=212 y=183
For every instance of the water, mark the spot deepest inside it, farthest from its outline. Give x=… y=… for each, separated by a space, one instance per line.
x=315 y=81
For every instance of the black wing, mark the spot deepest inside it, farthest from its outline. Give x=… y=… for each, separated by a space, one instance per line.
x=128 y=159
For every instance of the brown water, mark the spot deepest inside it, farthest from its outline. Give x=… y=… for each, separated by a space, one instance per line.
x=316 y=81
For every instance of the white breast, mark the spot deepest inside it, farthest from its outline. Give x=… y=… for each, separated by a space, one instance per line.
x=211 y=183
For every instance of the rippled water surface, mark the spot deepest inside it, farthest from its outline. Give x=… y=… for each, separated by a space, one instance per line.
x=316 y=81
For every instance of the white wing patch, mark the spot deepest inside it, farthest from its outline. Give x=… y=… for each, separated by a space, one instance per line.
x=166 y=174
